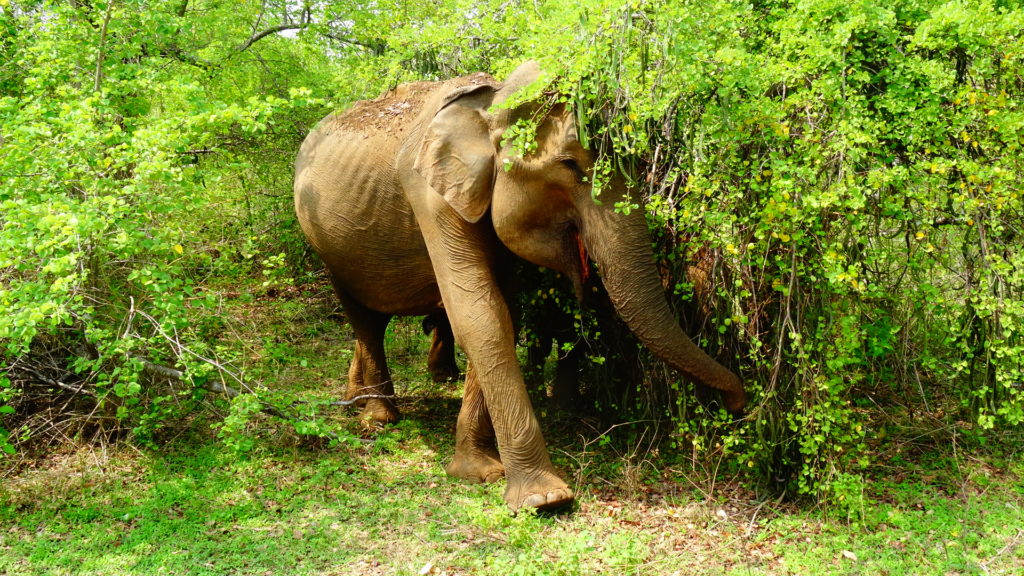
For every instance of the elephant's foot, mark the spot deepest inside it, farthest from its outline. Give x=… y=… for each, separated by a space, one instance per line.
x=442 y=376
x=543 y=491
x=380 y=410
x=477 y=465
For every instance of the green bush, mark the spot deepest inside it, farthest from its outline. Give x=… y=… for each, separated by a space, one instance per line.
x=119 y=147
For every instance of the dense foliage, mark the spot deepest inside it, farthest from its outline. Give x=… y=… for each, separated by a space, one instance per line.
x=834 y=187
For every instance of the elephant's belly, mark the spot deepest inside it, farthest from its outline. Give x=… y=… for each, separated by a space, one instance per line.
x=392 y=281
x=378 y=257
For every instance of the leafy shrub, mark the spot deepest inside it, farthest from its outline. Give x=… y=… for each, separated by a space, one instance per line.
x=846 y=171
x=111 y=136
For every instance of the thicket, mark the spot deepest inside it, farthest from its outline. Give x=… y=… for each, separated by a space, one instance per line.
x=833 y=187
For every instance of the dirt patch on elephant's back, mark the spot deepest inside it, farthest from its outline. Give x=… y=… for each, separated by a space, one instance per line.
x=391 y=112
x=383 y=114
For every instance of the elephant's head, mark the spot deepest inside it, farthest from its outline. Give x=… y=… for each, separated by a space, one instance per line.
x=542 y=208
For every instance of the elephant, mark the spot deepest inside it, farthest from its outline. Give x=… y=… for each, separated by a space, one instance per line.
x=545 y=323
x=415 y=200
x=441 y=365
x=441 y=361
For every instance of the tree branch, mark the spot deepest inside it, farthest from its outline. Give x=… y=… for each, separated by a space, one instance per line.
x=52 y=382
x=168 y=372
x=271 y=31
x=173 y=51
x=102 y=50
x=221 y=388
x=352 y=42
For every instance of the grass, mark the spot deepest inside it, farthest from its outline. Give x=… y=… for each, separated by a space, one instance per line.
x=384 y=505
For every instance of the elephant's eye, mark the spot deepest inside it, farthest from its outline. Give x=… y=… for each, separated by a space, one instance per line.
x=571 y=164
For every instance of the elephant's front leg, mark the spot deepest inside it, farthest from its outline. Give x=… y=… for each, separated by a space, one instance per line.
x=476 y=457
x=531 y=478
x=465 y=258
x=483 y=327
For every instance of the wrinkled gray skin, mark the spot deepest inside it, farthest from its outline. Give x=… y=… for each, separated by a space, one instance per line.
x=406 y=200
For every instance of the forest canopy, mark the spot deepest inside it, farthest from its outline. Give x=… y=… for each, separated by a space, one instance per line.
x=845 y=176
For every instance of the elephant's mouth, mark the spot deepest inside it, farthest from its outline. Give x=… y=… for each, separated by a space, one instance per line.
x=584 y=259
x=580 y=272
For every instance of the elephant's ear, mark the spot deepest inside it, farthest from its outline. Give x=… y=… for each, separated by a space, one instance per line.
x=457 y=156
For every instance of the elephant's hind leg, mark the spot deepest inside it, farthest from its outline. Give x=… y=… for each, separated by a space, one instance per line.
x=368 y=374
x=441 y=359
x=476 y=457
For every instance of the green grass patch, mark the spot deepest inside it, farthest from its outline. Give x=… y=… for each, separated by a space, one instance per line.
x=386 y=507
x=379 y=502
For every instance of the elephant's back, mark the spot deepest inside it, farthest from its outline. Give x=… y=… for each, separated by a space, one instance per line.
x=352 y=156
x=387 y=117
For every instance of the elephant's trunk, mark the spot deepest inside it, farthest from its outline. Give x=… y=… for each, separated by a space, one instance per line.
x=620 y=245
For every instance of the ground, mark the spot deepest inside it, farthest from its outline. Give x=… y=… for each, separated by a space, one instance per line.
x=378 y=501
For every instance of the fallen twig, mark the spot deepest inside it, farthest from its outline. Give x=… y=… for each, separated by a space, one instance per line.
x=267 y=408
x=52 y=382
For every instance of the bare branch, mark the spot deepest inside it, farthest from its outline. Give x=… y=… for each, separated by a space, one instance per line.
x=271 y=31
x=360 y=398
x=173 y=341
x=175 y=374
x=47 y=380
x=97 y=81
